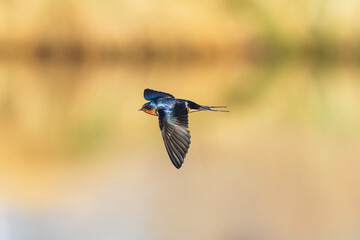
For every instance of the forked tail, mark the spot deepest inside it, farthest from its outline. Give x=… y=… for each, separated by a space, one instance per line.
x=211 y=108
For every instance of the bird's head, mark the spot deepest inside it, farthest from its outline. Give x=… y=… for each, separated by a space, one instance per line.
x=148 y=108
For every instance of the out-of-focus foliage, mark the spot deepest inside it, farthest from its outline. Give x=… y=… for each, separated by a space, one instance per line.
x=179 y=29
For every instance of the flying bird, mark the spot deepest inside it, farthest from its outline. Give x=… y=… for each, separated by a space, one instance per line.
x=173 y=121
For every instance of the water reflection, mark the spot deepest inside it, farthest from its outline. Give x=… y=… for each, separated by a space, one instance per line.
x=80 y=162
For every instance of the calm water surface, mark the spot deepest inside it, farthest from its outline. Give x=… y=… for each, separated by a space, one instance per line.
x=78 y=161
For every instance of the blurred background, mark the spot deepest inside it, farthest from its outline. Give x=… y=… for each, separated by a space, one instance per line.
x=78 y=161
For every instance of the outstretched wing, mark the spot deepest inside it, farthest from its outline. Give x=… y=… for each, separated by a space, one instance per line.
x=150 y=94
x=175 y=133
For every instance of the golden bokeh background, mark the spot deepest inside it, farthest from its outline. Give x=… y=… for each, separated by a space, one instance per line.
x=78 y=161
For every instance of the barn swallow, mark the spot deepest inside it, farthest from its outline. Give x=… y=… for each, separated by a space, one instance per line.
x=173 y=121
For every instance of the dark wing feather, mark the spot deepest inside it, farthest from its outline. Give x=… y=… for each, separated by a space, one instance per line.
x=150 y=95
x=175 y=133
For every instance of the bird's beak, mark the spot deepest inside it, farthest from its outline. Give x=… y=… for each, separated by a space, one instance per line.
x=140 y=109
